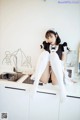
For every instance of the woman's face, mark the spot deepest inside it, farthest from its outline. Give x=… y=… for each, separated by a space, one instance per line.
x=51 y=39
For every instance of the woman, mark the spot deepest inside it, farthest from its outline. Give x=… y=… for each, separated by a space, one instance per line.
x=53 y=55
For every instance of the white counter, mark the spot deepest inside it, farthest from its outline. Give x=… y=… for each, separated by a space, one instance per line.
x=17 y=101
x=73 y=89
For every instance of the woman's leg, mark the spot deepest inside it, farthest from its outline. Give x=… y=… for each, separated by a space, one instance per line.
x=46 y=74
x=58 y=71
x=53 y=78
x=40 y=68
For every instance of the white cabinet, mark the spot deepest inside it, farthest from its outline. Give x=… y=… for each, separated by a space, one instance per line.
x=14 y=102
x=20 y=105
x=44 y=106
x=70 y=109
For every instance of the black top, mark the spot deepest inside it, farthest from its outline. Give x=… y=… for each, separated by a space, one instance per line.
x=60 y=51
x=46 y=46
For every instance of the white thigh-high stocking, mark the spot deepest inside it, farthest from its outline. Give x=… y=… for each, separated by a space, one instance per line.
x=58 y=70
x=40 y=68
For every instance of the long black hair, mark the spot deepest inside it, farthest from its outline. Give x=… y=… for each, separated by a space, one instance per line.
x=48 y=34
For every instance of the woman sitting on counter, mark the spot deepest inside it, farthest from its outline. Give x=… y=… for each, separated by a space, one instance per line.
x=53 y=55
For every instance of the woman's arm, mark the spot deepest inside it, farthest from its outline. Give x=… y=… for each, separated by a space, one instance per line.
x=63 y=56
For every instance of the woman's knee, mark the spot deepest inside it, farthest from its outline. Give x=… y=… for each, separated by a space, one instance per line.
x=54 y=56
x=45 y=55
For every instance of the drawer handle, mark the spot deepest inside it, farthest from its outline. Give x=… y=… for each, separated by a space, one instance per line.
x=15 y=88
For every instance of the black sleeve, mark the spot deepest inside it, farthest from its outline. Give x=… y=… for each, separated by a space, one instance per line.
x=46 y=46
x=64 y=45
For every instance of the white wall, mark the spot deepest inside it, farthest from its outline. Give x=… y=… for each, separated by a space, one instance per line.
x=23 y=24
